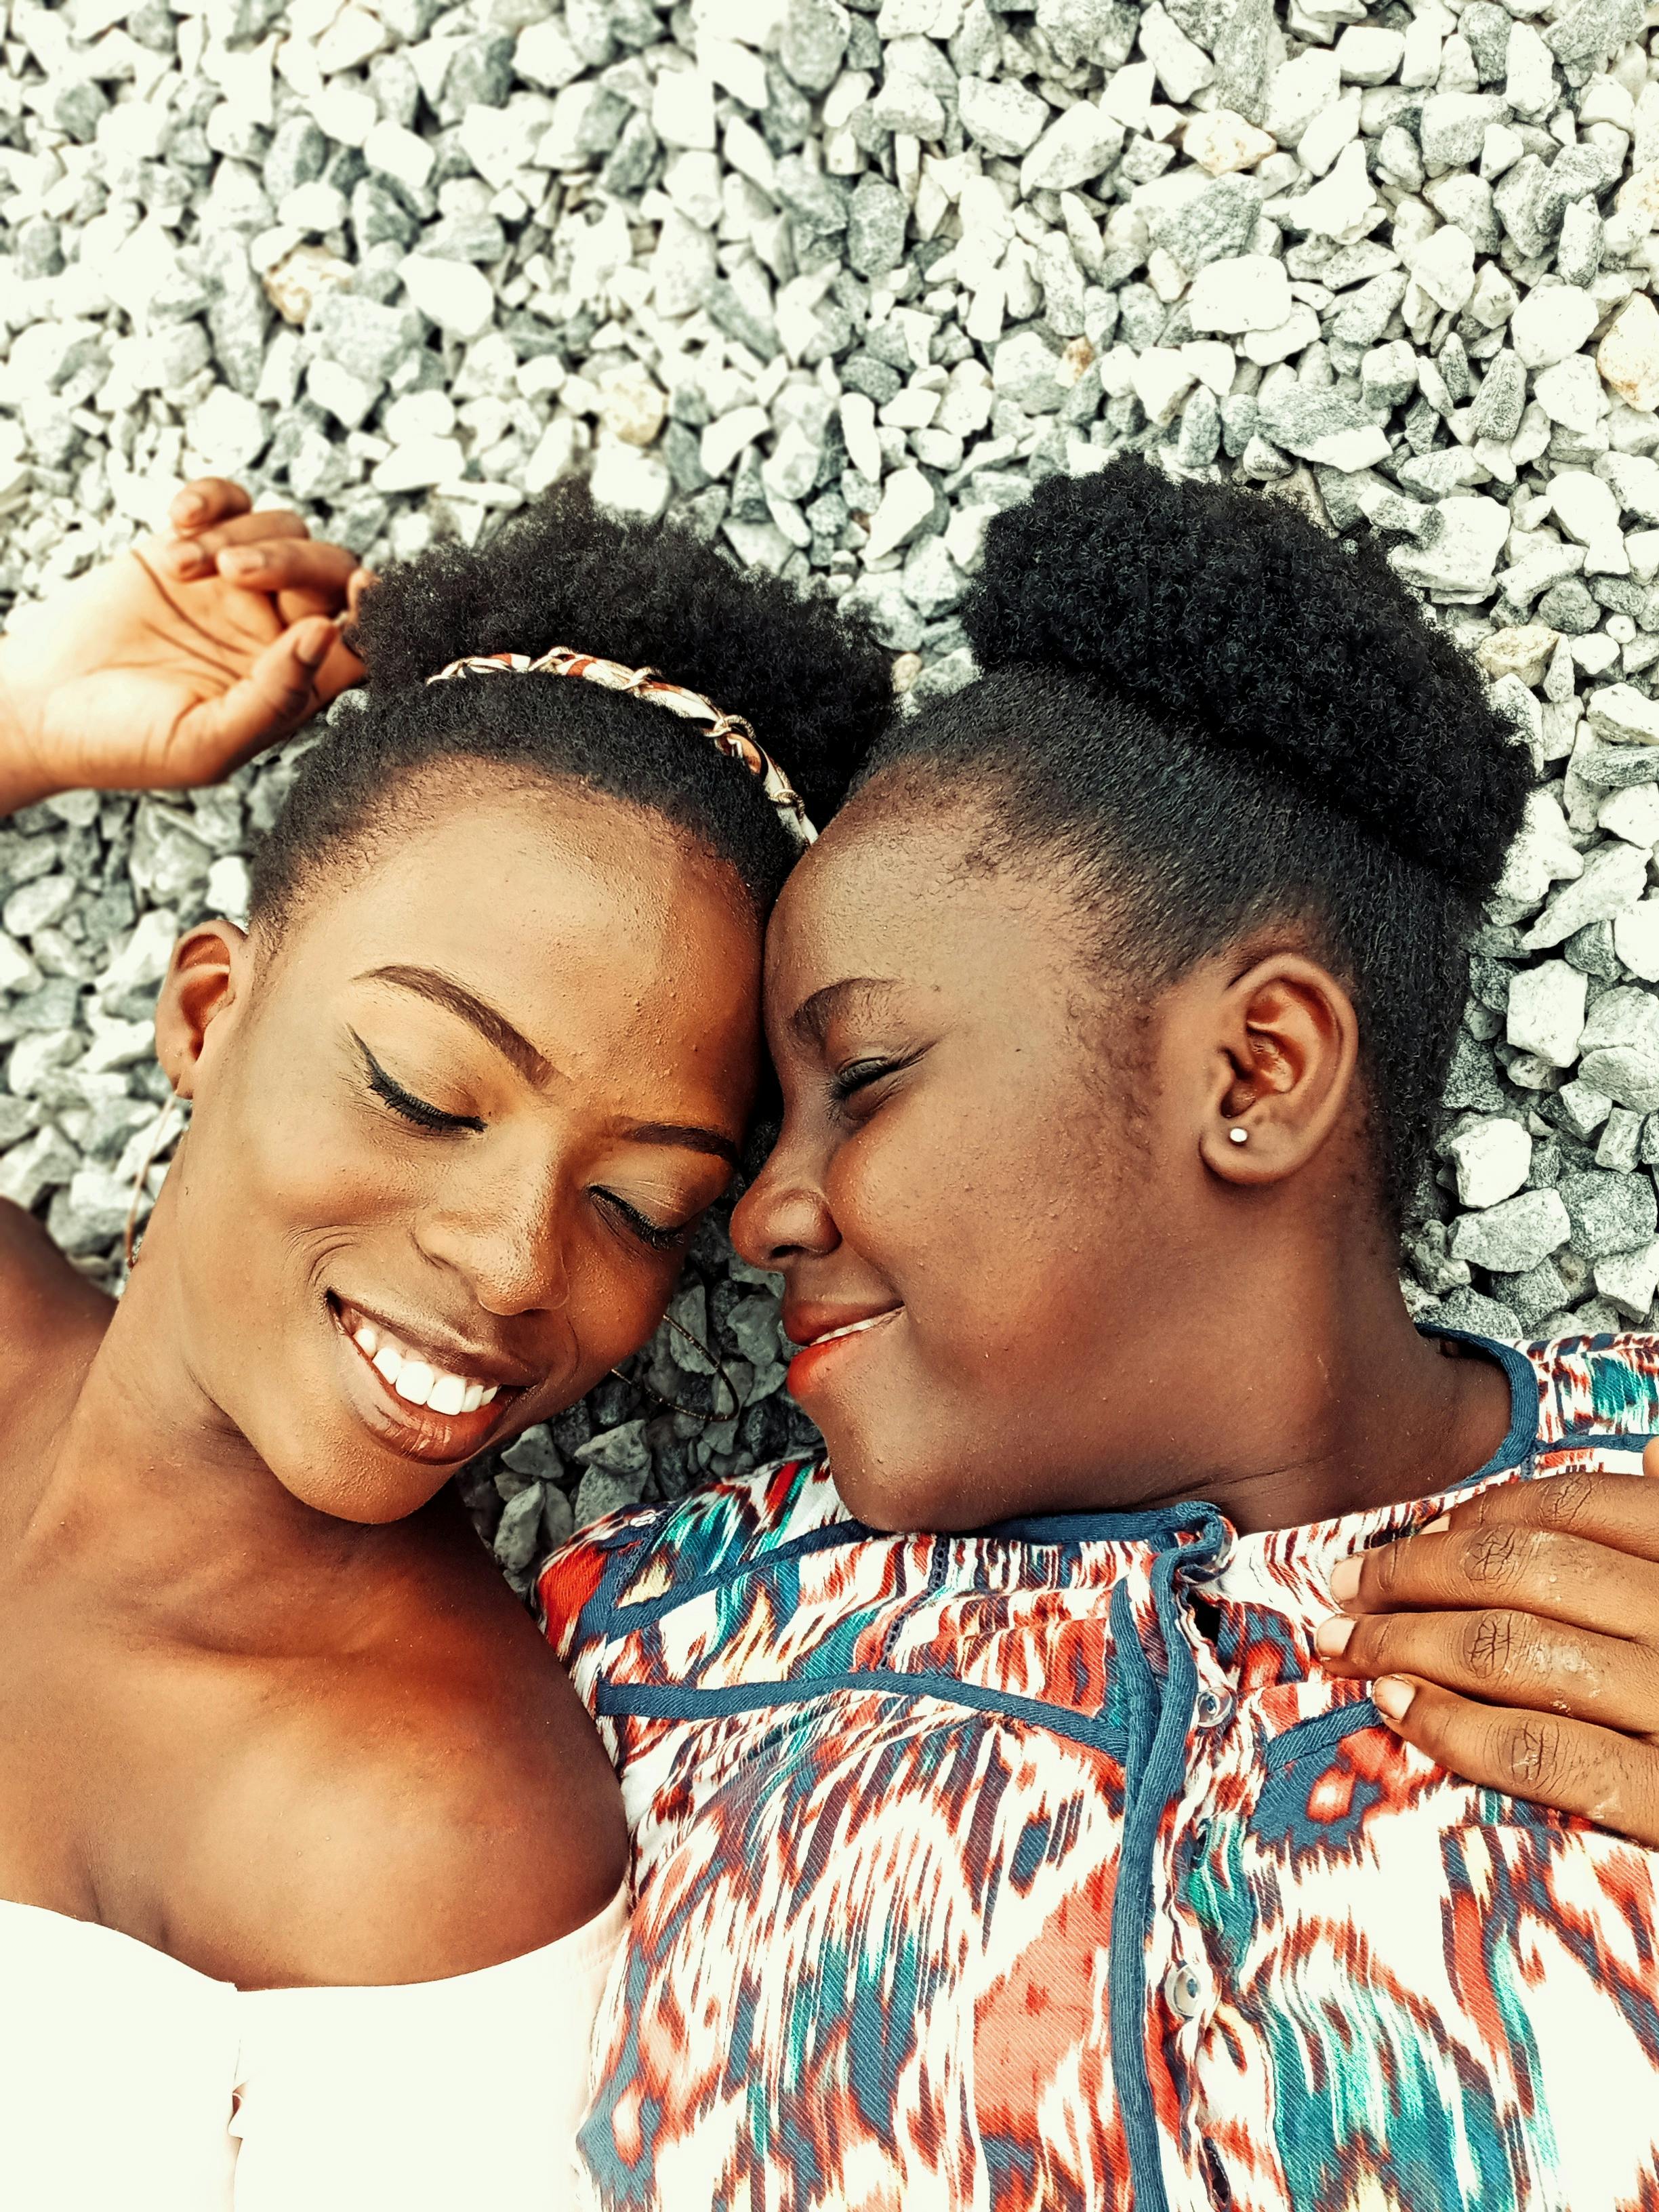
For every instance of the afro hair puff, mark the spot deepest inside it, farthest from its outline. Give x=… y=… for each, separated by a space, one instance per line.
x=1235 y=618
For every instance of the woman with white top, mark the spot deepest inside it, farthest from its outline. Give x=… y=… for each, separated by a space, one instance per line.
x=312 y=1863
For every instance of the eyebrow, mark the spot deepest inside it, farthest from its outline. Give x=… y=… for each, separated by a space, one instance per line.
x=493 y=1025
x=444 y=991
x=811 y=1020
x=690 y=1136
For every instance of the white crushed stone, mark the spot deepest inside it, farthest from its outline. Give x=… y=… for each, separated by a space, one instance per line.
x=841 y=282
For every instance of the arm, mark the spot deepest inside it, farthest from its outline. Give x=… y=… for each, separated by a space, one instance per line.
x=175 y=662
x=1517 y=1642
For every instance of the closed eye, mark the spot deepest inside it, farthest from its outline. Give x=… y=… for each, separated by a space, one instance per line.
x=657 y=1234
x=424 y=1115
x=859 y=1075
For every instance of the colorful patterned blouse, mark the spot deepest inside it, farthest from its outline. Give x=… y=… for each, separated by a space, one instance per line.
x=1046 y=1867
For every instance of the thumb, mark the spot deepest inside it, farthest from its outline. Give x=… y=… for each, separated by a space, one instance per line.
x=278 y=693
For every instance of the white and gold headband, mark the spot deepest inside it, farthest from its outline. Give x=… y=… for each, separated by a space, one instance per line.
x=732 y=735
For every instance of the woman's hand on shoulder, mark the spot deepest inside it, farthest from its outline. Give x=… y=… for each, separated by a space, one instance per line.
x=1516 y=1642
x=176 y=661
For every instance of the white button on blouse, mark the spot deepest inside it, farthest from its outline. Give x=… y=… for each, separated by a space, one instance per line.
x=129 y=2080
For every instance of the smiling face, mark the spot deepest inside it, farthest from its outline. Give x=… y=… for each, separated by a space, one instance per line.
x=1007 y=1201
x=450 y=1132
x=969 y=1244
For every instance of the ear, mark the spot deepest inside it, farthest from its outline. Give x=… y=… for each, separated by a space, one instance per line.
x=1285 y=1060
x=204 y=977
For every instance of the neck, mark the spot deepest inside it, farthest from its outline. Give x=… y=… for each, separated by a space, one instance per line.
x=147 y=1486
x=1331 y=1402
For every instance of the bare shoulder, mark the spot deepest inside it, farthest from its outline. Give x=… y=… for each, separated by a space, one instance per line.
x=49 y=1312
x=430 y=1811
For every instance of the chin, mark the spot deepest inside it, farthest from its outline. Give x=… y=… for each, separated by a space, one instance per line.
x=896 y=1492
x=353 y=1486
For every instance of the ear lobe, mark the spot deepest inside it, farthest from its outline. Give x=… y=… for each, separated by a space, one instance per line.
x=1289 y=1046
x=203 y=982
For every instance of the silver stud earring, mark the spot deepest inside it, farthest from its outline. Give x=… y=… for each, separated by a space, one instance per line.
x=1239 y=1136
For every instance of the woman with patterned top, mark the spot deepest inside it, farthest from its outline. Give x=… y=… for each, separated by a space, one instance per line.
x=1001 y=1837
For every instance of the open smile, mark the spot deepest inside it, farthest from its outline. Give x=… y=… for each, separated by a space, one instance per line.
x=441 y=1407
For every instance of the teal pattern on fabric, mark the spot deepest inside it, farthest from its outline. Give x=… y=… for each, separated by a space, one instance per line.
x=1045 y=1867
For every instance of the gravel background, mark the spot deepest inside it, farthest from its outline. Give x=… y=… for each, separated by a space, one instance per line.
x=841 y=282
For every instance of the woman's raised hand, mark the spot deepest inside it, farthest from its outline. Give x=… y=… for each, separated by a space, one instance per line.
x=1516 y=1642
x=175 y=662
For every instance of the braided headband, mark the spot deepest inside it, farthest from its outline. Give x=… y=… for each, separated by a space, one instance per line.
x=732 y=735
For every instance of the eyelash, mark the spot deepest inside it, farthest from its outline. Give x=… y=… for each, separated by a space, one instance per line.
x=404 y=1103
x=859 y=1075
x=652 y=1234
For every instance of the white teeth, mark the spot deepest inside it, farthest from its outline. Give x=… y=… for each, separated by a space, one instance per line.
x=413 y=1381
x=447 y=1395
x=417 y=1380
x=856 y=1328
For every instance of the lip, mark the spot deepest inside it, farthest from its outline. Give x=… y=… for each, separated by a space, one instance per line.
x=809 y=1325
x=452 y=1353
x=416 y=1431
x=828 y=1339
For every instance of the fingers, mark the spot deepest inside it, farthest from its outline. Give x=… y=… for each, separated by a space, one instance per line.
x=339 y=670
x=292 y=564
x=205 y=551
x=1611 y=1779
x=1621 y=1510
x=205 y=500
x=1506 y=1565
x=1503 y=1658
x=280 y=692
x=305 y=575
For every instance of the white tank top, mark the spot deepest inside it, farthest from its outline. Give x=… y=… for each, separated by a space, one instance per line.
x=128 y=2079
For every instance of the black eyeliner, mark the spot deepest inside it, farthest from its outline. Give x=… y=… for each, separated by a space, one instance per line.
x=418 y=1110
x=648 y=1232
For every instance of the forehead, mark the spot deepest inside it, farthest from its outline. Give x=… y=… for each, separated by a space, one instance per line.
x=602 y=935
x=921 y=899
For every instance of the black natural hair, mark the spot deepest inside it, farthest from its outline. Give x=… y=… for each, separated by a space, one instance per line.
x=816 y=688
x=1221 y=718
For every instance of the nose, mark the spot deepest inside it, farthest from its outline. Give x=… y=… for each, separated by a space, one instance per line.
x=784 y=1215
x=505 y=1239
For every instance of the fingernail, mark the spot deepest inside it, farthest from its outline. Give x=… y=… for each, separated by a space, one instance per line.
x=188 y=560
x=240 y=562
x=190 y=505
x=1345 y=1579
x=1437 y=1527
x=1332 y=1637
x=1392 y=1697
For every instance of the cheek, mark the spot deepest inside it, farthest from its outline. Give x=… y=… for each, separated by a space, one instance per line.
x=616 y=1306
x=263 y=1193
x=996 y=1229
